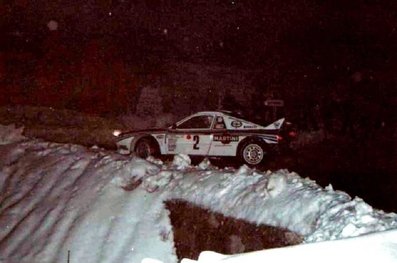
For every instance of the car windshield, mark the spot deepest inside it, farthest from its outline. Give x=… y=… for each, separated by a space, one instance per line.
x=197 y=122
x=237 y=114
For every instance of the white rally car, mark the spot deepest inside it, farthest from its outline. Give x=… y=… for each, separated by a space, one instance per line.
x=209 y=133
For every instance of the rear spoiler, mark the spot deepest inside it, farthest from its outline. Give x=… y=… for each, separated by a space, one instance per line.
x=275 y=125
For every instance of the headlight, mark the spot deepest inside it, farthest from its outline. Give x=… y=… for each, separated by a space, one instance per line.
x=116 y=133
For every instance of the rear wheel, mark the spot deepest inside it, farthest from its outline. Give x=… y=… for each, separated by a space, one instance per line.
x=146 y=147
x=252 y=153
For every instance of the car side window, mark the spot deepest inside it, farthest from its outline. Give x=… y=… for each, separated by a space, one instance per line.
x=197 y=122
x=219 y=123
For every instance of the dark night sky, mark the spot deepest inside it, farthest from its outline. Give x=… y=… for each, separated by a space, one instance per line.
x=244 y=33
x=310 y=48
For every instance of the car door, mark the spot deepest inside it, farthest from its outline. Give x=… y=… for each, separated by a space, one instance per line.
x=223 y=143
x=192 y=136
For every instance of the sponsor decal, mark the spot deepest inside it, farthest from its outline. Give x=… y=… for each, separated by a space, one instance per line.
x=250 y=126
x=225 y=138
x=171 y=147
x=236 y=124
x=188 y=137
x=171 y=144
x=160 y=136
x=277 y=124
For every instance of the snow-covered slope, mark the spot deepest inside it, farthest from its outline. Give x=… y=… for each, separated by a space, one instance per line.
x=59 y=198
x=99 y=206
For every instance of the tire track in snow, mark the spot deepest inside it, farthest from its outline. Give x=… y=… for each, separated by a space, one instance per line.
x=21 y=207
x=28 y=207
x=51 y=185
x=59 y=210
x=10 y=241
x=35 y=174
x=66 y=224
x=50 y=197
x=85 y=174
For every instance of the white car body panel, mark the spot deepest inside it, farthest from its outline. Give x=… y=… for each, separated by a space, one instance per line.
x=191 y=144
x=219 y=148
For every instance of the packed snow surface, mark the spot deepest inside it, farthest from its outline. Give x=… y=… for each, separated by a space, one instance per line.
x=98 y=206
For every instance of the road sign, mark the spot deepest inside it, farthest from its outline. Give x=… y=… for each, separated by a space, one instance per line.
x=274 y=103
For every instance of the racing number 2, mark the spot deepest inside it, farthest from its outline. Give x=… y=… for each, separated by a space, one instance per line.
x=196 y=140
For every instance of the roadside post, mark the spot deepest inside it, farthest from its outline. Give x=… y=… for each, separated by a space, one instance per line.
x=275 y=104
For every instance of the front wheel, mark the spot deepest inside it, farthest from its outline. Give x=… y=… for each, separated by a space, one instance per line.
x=252 y=153
x=145 y=148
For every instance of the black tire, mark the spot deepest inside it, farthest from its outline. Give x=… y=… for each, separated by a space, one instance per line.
x=146 y=147
x=252 y=152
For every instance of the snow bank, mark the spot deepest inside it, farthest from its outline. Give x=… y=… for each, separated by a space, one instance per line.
x=59 y=199
x=281 y=198
x=103 y=207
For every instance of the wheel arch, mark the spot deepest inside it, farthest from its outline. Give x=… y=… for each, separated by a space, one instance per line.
x=252 y=140
x=144 y=136
x=249 y=139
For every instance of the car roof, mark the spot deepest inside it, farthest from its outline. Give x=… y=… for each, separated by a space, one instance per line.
x=221 y=112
